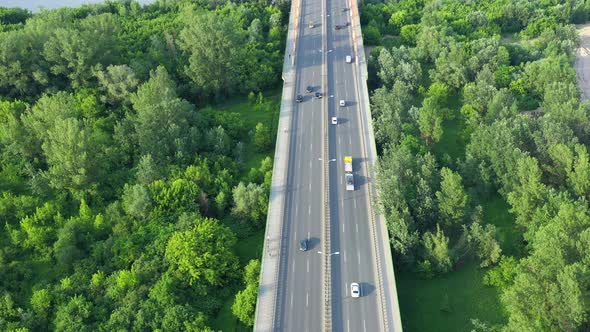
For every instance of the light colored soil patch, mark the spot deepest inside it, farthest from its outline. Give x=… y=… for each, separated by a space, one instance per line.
x=582 y=63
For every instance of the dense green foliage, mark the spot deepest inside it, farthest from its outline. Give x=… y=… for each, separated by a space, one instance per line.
x=475 y=100
x=123 y=193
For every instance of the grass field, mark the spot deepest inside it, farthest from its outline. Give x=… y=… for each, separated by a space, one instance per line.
x=495 y=211
x=447 y=303
x=248 y=247
x=267 y=114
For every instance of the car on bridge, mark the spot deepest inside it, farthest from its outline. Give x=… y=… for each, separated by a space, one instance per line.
x=299 y=98
x=318 y=95
x=309 y=89
x=303 y=245
x=355 y=290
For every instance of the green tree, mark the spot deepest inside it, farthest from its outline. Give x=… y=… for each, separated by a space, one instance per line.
x=450 y=67
x=118 y=83
x=74 y=315
x=483 y=240
x=503 y=274
x=204 y=255
x=551 y=289
x=262 y=137
x=452 y=199
x=137 y=201
x=72 y=52
x=529 y=195
x=250 y=203
x=245 y=304
x=162 y=119
x=72 y=157
x=147 y=170
x=436 y=250
x=430 y=122
x=214 y=45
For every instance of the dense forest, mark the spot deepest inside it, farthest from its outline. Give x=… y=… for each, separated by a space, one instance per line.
x=474 y=100
x=125 y=190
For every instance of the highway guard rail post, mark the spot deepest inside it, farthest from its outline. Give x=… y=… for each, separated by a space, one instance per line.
x=326 y=257
x=267 y=302
x=387 y=290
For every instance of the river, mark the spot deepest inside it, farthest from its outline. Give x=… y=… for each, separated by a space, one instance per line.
x=34 y=5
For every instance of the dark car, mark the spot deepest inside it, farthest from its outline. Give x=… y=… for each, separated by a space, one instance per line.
x=338 y=27
x=318 y=95
x=303 y=245
x=299 y=98
x=309 y=89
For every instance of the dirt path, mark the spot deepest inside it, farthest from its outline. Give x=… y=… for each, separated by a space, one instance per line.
x=582 y=64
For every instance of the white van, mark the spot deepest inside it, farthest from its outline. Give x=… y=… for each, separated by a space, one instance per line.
x=348 y=59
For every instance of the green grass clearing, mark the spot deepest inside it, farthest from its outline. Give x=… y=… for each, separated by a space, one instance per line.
x=495 y=210
x=250 y=242
x=267 y=114
x=447 y=303
x=452 y=142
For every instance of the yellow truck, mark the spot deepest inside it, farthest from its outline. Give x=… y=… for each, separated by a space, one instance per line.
x=348 y=176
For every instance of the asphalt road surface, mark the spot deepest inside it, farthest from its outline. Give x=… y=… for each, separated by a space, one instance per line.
x=300 y=277
x=300 y=297
x=349 y=210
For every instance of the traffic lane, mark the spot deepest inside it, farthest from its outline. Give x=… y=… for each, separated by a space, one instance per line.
x=306 y=267
x=363 y=266
x=297 y=281
x=367 y=318
x=311 y=296
x=299 y=301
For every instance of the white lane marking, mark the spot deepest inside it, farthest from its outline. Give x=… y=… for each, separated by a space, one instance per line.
x=364 y=326
x=357 y=227
x=349 y=140
x=310 y=187
x=339 y=140
x=291 y=299
x=313 y=73
x=296 y=211
x=359 y=257
x=348 y=325
x=344 y=257
x=355 y=204
x=344 y=230
x=308 y=266
x=293 y=268
x=309 y=210
x=308 y=235
x=310 y=164
x=307 y=299
x=311 y=146
x=346 y=288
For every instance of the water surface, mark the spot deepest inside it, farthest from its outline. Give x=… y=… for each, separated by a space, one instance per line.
x=35 y=5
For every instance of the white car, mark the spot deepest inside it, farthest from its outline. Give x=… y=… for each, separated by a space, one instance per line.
x=334 y=120
x=355 y=290
x=342 y=103
x=348 y=59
